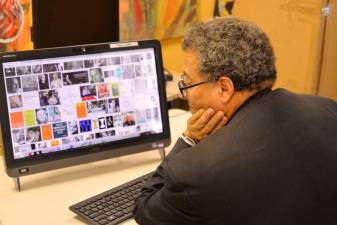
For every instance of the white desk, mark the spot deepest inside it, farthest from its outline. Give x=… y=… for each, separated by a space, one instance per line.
x=45 y=197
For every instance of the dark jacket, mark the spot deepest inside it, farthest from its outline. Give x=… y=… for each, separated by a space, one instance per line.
x=274 y=163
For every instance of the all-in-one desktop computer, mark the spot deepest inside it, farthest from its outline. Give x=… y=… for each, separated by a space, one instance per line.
x=71 y=105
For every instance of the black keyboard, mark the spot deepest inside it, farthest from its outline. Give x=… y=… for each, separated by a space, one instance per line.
x=113 y=206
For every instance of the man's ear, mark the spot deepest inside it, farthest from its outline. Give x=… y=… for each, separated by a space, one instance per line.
x=226 y=88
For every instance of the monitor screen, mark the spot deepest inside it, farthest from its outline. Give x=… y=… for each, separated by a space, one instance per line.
x=72 y=103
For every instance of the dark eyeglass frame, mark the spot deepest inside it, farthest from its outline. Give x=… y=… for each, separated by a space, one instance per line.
x=182 y=86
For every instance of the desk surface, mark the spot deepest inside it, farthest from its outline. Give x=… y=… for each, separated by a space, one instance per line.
x=45 y=197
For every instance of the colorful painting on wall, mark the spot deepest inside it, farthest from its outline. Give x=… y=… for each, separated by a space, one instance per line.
x=14 y=25
x=143 y=19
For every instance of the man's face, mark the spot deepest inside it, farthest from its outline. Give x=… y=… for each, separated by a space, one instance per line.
x=203 y=96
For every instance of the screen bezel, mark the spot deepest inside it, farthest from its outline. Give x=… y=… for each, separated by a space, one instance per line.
x=161 y=139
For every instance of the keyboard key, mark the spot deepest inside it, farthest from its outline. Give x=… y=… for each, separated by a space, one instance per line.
x=103 y=222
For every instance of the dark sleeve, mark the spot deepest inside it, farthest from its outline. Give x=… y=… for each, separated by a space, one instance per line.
x=165 y=200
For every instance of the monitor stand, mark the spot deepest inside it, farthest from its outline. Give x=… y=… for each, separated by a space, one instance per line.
x=17 y=183
x=162 y=153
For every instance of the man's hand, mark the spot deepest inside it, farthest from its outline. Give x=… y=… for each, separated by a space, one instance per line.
x=204 y=122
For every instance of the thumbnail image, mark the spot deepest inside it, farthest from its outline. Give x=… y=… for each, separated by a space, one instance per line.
x=96 y=106
x=79 y=77
x=60 y=130
x=110 y=133
x=74 y=65
x=114 y=89
x=23 y=70
x=118 y=73
x=88 y=92
x=96 y=75
x=105 y=134
x=149 y=70
x=109 y=122
x=102 y=123
x=54 y=114
x=94 y=123
x=15 y=101
x=44 y=145
x=135 y=58
x=114 y=61
x=100 y=135
x=117 y=120
x=128 y=71
x=128 y=119
x=13 y=85
x=155 y=113
x=140 y=116
x=152 y=114
x=103 y=90
x=87 y=137
x=89 y=63
x=10 y=71
x=85 y=126
x=30 y=118
x=18 y=136
x=49 y=97
x=72 y=139
x=55 y=80
x=41 y=116
x=73 y=127
x=43 y=81
x=113 y=105
x=33 y=134
x=52 y=67
x=100 y=62
x=109 y=75
x=37 y=69
x=138 y=71
x=29 y=83
x=125 y=59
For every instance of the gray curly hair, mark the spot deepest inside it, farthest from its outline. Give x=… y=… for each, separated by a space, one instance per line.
x=235 y=48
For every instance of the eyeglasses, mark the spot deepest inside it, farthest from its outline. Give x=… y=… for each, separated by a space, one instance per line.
x=182 y=86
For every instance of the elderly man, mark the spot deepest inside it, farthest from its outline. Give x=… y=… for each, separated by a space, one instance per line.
x=275 y=161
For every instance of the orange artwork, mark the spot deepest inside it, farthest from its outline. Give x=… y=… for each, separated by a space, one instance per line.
x=17 y=119
x=47 y=133
x=15 y=25
x=81 y=110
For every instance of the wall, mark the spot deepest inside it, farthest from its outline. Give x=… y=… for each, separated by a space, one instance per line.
x=294 y=30
x=172 y=53
x=328 y=80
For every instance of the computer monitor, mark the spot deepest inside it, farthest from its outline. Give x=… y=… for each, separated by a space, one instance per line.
x=59 y=23
x=71 y=105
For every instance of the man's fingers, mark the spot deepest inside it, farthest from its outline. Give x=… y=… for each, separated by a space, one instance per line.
x=195 y=117
x=213 y=122
x=205 y=117
x=221 y=124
